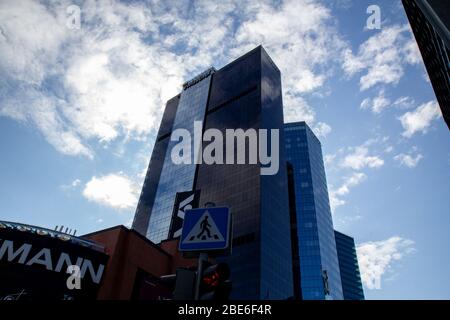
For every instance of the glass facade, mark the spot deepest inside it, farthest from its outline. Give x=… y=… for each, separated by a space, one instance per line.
x=348 y=265
x=276 y=255
x=147 y=197
x=177 y=177
x=247 y=94
x=319 y=266
x=244 y=94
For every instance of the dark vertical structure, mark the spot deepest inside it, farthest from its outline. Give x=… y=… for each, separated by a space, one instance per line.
x=294 y=234
x=245 y=94
x=319 y=266
x=348 y=264
x=430 y=22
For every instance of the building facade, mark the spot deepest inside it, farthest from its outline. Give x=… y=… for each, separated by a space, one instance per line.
x=35 y=261
x=136 y=264
x=245 y=94
x=348 y=265
x=430 y=22
x=319 y=266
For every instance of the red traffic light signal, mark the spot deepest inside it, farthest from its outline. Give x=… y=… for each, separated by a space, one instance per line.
x=214 y=282
x=215 y=275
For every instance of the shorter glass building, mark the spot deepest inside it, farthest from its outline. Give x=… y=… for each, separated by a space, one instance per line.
x=348 y=264
x=318 y=277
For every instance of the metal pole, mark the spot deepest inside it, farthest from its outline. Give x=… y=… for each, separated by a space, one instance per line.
x=203 y=256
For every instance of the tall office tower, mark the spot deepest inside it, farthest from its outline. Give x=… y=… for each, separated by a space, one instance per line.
x=348 y=264
x=430 y=22
x=245 y=94
x=319 y=266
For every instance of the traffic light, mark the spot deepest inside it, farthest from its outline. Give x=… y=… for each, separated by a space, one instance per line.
x=214 y=283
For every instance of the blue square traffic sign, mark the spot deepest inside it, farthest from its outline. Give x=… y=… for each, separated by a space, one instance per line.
x=205 y=229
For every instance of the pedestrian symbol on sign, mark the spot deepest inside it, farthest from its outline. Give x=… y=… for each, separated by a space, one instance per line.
x=205 y=228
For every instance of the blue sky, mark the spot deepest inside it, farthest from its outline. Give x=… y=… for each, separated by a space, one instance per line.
x=79 y=108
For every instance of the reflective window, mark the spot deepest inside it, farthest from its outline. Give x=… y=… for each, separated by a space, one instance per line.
x=317 y=248
x=177 y=178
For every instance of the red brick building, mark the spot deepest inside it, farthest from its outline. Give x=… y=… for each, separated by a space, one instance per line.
x=135 y=263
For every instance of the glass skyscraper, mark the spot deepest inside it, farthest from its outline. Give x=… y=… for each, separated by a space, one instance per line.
x=348 y=265
x=244 y=94
x=319 y=275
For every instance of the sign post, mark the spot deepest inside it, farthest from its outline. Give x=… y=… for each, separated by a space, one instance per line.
x=202 y=257
x=205 y=230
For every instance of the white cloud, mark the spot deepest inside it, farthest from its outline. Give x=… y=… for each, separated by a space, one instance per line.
x=389 y=149
x=71 y=186
x=297 y=109
x=303 y=42
x=349 y=182
x=404 y=103
x=376 y=258
x=335 y=201
x=42 y=110
x=409 y=160
x=377 y=104
x=346 y=220
x=344 y=4
x=75 y=85
x=360 y=159
x=383 y=57
x=321 y=129
x=300 y=39
x=355 y=160
x=411 y=52
x=113 y=190
x=112 y=77
x=352 y=64
x=329 y=158
x=31 y=36
x=420 y=119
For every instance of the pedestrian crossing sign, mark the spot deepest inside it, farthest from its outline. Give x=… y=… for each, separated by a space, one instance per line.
x=205 y=229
